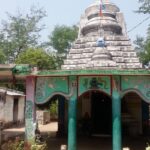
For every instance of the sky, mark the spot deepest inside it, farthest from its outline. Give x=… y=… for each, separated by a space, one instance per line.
x=68 y=12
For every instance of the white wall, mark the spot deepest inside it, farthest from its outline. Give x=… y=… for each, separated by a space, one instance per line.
x=21 y=108
x=2 y=108
x=8 y=110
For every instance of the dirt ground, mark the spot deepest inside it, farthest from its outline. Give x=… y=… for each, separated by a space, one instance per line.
x=84 y=143
x=45 y=129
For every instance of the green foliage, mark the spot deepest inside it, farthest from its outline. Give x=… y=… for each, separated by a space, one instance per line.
x=39 y=147
x=145 y=6
x=2 y=57
x=54 y=108
x=143 y=46
x=19 y=144
x=145 y=55
x=62 y=37
x=139 y=42
x=36 y=57
x=21 y=32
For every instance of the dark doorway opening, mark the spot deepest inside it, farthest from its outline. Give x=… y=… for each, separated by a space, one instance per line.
x=101 y=113
x=15 y=110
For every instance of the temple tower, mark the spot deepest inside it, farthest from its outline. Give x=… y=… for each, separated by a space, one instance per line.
x=102 y=41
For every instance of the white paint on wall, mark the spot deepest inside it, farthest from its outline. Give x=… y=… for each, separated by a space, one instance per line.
x=1 y=111
x=8 y=110
x=21 y=108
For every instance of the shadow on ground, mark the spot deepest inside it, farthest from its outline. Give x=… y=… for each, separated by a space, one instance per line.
x=99 y=143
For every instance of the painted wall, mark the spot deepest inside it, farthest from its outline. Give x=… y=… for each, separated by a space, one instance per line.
x=94 y=82
x=139 y=83
x=46 y=86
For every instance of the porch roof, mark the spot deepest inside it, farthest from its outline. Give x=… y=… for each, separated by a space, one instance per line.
x=22 y=71
x=93 y=72
x=11 y=92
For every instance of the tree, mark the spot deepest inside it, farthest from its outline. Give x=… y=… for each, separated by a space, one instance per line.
x=21 y=32
x=145 y=55
x=2 y=57
x=148 y=33
x=139 y=44
x=143 y=45
x=62 y=37
x=145 y=6
x=37 y=57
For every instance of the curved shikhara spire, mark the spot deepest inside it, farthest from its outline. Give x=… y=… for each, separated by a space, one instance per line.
x=102 y=41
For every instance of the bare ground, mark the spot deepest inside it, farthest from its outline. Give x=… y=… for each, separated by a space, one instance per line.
x=84 y=143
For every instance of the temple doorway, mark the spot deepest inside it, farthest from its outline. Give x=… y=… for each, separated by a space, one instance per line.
x=98 y=106
x=101 y=113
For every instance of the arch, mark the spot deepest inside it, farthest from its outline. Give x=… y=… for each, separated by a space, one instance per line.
x=123 y=93
x=92 y=90
x=51 y=96
x=66 y=95
x=135 y=113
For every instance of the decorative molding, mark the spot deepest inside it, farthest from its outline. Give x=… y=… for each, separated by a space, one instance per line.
x=124 y=92
x=67 y=96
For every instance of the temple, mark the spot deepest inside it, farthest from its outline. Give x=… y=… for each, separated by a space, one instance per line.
x=101 y=76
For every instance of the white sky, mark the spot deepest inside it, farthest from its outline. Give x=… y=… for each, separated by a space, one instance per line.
x=68 y=12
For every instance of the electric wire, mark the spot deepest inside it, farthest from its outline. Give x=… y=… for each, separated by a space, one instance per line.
x=138 y=24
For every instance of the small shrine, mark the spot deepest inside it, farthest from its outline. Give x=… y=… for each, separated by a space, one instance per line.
x=102 y=76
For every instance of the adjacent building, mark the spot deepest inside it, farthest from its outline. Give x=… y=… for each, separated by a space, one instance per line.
x=12 y=107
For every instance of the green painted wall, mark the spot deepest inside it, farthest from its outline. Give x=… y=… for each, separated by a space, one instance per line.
x=94 y=82
x=139 y=83
x=46 y=86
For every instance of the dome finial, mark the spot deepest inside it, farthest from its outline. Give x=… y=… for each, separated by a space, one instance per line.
x=104 y=1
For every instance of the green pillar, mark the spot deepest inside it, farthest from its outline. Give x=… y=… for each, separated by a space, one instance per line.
x=116 y=118
x=72 y=121
x=72 y=125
